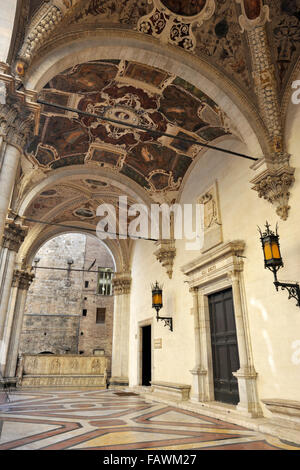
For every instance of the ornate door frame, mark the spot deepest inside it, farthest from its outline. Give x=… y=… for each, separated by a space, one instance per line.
x=215 y=271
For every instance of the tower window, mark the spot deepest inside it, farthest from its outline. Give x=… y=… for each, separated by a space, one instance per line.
x=100 y=315
x=104 y=286
x=84 y=312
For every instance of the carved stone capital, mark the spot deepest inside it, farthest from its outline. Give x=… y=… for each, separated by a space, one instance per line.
x=22 y=279
x=16 y=123
x=122 y=283
x=274 y=186
x=14 y=235
x=165 y=254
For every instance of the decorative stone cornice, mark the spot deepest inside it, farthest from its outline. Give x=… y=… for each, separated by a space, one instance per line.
x=165 y=254
x=22 y=279
x=274 y=186
x=14 y=235
x=221 y=262
x=122 y=283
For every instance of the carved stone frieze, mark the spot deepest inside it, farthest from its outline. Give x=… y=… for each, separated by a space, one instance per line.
x=121 y=283
x=165 y=254
x=274 y=186
x=14 y=235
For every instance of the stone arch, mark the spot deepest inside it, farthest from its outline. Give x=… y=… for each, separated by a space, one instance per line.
x=65 y=174
x=31 y=246
x=66 y=52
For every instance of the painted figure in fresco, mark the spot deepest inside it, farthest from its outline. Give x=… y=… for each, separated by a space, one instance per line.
x=185 y=8
x=252 y=8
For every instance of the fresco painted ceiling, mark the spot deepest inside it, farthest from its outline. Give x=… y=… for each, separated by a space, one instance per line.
x=131 y=93
x=218 y=39
x=75 y=201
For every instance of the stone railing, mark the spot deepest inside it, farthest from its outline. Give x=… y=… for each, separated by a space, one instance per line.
x=62 y=371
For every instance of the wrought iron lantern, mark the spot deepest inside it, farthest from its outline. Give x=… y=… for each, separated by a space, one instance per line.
x=273 y=261
x=157 y=303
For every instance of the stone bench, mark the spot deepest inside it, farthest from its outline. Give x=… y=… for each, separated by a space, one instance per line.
x=62 y=371
x=285 y=412
x=174 y=391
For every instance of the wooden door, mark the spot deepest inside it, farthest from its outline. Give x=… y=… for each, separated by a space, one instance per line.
x=224 y=346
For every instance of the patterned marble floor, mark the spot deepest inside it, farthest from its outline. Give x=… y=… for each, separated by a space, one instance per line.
x=110 y=420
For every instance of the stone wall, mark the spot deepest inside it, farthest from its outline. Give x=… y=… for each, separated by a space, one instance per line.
x=60 y=313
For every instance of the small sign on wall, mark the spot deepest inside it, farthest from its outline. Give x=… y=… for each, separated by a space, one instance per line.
x=157 y=343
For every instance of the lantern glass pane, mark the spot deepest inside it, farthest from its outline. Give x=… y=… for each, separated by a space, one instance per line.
x=268 y=251
x=157 y=298
x=275 y=250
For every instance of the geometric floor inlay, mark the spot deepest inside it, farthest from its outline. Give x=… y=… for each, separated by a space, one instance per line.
x=106 y=420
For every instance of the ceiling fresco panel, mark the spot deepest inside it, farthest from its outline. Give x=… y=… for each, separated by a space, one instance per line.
x=120 y=91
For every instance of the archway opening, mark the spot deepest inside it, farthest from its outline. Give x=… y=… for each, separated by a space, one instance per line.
x=69 y=306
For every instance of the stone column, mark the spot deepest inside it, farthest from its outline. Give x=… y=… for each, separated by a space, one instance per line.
x=16 y=127
x=246 y=375
x=120 y=348
x=13 y=237
x=198 y=372
x=14 y=321
x=7 y=180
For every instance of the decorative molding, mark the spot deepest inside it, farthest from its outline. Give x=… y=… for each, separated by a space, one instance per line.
x=253 y=15
x=216 y=264
x=44 y=22
x=173 y=28
x=165 y=254
x=122 y=283
x=274 y=186
x=14 y=235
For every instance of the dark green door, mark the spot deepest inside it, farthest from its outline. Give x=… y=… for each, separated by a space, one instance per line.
x=224 y=346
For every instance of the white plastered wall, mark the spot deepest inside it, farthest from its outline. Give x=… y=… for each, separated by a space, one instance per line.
x=274 y=320
x=7 y=19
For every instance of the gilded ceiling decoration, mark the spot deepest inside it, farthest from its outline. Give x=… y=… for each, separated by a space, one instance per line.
x=117 y=90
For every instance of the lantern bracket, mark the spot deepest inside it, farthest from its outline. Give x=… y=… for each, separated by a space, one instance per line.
x=292 y=288
x=168 y=321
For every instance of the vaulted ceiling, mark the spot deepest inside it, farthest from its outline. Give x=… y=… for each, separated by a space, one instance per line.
x=137 y=94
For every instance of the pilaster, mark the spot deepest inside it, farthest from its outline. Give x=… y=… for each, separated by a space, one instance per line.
x=120 y=349
x=273 y=182
x=21 y=282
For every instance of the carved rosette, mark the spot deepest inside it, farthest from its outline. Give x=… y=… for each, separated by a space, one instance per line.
x=121 y=283
x=165 y=254
x=22 y=279
x=14 y=235
x=274 y=186
x=174 y=28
